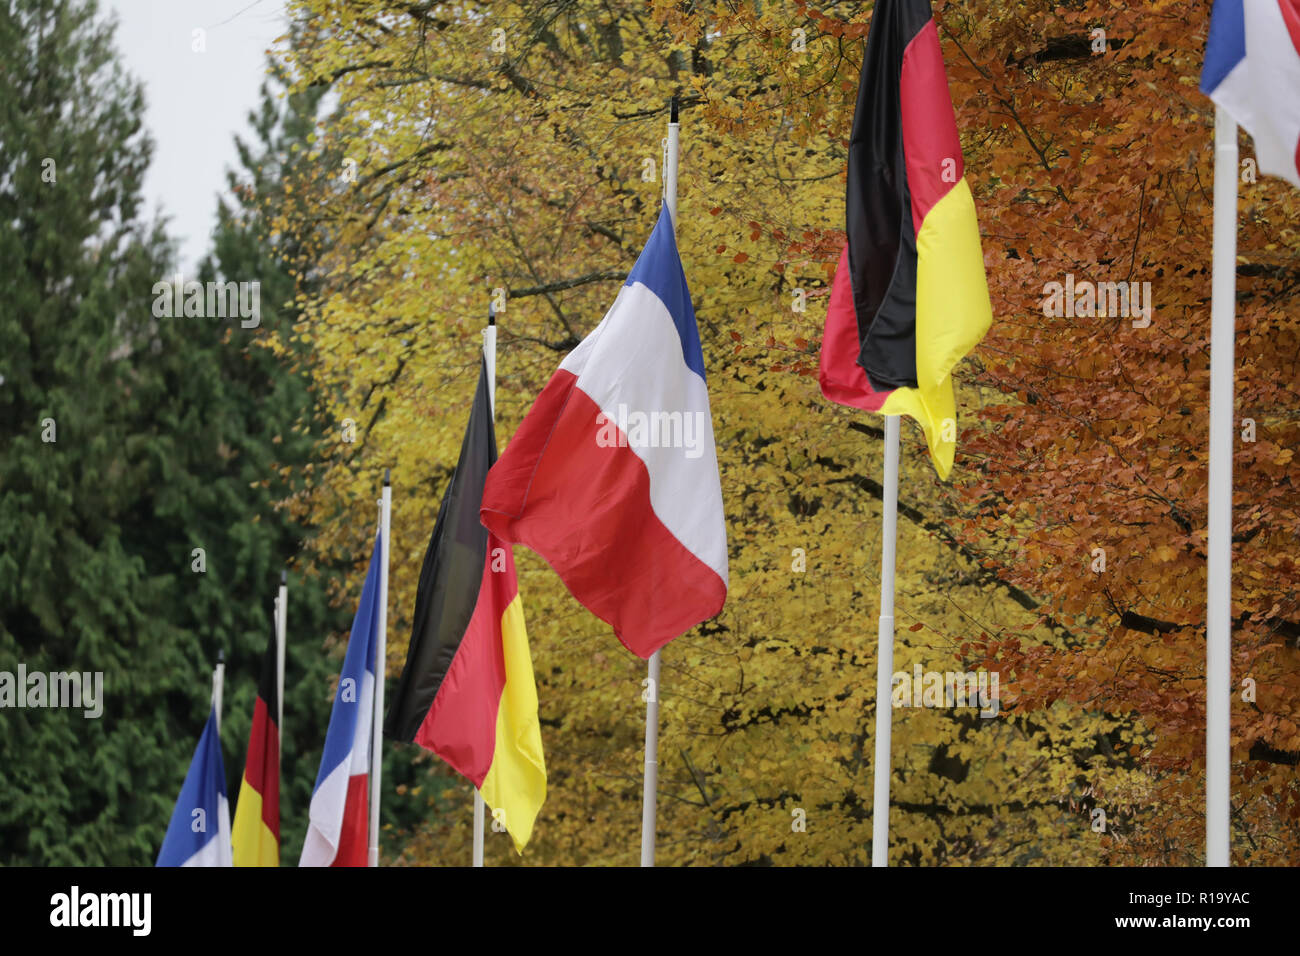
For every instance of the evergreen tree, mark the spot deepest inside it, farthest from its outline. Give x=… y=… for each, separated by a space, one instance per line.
x=76 y=337
x=279 y=433
x=140 y=467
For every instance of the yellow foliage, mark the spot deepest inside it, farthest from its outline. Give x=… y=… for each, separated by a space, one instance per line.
x=530 y=160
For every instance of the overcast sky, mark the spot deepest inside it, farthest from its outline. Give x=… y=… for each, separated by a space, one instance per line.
x=197 y=102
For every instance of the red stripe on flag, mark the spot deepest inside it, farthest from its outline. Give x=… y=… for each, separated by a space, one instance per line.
x=842 y=378
x=356 y=825
x=461 y=726
x=263 y=768
x=931 y=146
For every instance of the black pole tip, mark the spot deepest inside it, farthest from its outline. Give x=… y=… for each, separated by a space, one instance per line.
x=221 y=656
x=672 y=110
x=284 y=577
x=492 y=312
x=388 y=477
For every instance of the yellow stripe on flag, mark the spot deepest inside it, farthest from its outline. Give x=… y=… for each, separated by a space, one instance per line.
x=253 y=842
x=935 y=410
x=952 y=314
x=516 y=782
x=952 y=293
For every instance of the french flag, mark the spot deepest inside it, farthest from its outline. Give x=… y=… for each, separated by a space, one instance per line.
x=199 y=831
x=612 y=476
x=1252 y=70
x=338 y=816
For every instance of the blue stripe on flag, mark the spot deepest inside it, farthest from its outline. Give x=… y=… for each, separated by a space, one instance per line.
x=359 y=659
x=205 y=785
x=659 y=269
x=1226 y=45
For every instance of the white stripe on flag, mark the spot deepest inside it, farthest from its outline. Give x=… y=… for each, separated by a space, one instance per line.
x=634 y=359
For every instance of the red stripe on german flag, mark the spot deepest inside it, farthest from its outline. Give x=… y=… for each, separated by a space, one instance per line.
x=909 y=297
x=484 y=719
x=255 y=833
x=461 y=725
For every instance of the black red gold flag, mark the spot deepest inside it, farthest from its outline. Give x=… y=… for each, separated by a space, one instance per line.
x=467 y=691
x=909 y=298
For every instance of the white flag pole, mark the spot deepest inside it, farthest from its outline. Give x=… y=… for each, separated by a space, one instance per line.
x=490 y=358
x=218 y=684
x=225 y=848
x=1218 y=612
x=650 y=786
x=480 y=817
x=671 y=150
x=381 y=658
x=649 y=790
x=281 y=630
x=885 y=649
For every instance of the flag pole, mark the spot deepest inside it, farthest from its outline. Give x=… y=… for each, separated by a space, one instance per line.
x=490 y=358
x=381 y=657
x=479 y=823
x=670 y=161
x=885 y=648
x=650 y=786
x=1218 y=612
x=218 y=684
x=281 y=629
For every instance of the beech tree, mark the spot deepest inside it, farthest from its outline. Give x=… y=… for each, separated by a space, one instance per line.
x=514 y=150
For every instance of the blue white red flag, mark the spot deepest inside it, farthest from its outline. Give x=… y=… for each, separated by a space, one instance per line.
x=338 y=816
x=199 y=832
x=612 y=476
x=1252 y=70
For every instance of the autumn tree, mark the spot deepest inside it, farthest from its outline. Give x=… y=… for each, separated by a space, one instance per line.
x=513 y=150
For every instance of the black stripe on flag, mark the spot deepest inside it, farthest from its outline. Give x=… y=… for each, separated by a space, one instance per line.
x=451 y=575
x=882 y=238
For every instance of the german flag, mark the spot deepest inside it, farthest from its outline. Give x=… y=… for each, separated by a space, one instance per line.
x=256 y=830
x=909 y=297
x=467 y=691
